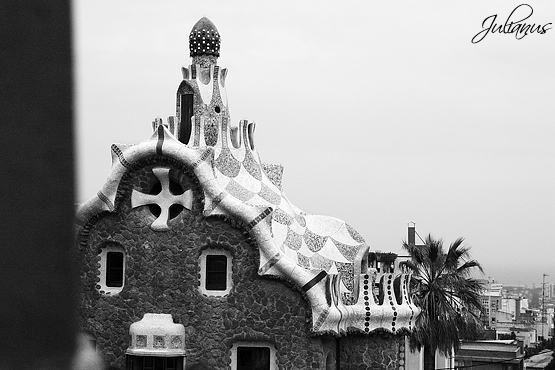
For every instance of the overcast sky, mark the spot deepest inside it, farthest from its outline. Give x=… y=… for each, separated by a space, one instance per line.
x=382 y=113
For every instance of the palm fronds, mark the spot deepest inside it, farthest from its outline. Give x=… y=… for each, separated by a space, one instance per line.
x=446 y=293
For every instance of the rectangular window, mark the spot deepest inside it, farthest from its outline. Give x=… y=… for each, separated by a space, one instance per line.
x=253 y=358
x=216 y=272
x=154 y=363
x=114 y=269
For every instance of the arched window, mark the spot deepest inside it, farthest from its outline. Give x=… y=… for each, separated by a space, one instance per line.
x=185 y=101
x=186 y=114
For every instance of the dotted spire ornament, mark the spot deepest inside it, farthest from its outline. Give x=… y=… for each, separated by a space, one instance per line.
x=204 y=39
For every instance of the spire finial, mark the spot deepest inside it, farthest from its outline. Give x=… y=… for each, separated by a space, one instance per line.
x=204 y=39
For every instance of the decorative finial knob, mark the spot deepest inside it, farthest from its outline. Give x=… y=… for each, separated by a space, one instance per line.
x=204 y=39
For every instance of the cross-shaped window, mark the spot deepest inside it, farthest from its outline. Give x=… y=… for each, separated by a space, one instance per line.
x=167 y=199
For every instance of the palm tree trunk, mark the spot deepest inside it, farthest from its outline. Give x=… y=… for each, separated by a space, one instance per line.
x=429 y=358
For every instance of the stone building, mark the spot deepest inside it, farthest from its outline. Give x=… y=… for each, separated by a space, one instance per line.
x=193 y=257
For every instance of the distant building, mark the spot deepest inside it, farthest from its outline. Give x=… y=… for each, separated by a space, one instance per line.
x=512 y=305
x=503 y=318
x=415 y=360
x=544 y=326
x=491 y=303
x=490 y=355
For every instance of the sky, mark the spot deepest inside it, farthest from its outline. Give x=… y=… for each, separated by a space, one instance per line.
x=382 y=113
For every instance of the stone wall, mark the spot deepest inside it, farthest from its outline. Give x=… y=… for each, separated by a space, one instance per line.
x=377 y=351
x=162 y=276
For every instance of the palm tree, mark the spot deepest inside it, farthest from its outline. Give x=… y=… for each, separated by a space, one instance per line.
x=447 y=295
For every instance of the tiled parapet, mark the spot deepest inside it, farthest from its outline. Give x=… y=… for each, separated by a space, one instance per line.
x=377 y=301
x=389 y=309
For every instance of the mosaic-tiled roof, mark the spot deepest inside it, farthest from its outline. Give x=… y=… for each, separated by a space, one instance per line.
x=204 y=39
